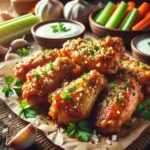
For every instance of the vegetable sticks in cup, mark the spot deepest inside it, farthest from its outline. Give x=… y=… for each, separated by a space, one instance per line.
x=117 y=15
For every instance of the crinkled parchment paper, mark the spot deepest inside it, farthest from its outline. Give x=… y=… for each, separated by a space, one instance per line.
x=54 y=134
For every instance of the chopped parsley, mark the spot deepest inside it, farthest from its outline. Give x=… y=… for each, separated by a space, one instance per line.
x=60 y=27
x=83 y=51
x=96 y=47
x=112 y=85
x=91 y=52
x=71 y=89
x=65 y=95
x=144 y=66
x=27 y=111
x=12 y=89
x=81 y=130
x=120 y=99
x=127 y=84
x=23 y=52
x=107 y=102
x=37 y=75
x=51 y=65
x=84 y=76
x=102 y=44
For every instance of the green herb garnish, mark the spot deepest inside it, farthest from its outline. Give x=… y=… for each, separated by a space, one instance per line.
x=71 y=89
x=37 y=75
x=107 y=102
x=65 y=95
x=144 y=66
x=12 y=89
x=23 y=52
x=59 y=28
x=148 y=43
x=51 y=65
x=82 y=130
x=143 y=108
x=120 y=99
x=28 y=112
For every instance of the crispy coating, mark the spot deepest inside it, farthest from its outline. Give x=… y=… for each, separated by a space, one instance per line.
x=115 y=42
x=39 y=58
x=137 y=69
x=43 y=80
x=75 y=101
x=88 y=55
x=119 y=102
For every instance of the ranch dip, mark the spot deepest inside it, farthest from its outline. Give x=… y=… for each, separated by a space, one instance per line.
x=46 y=30
x=143 y=45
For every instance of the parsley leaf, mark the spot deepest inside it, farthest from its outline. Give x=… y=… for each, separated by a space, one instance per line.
x=71 y=89
x=139 y=108
x=12 y=89
x=71 y=129
x=28 y=112
x=9 y=80
x=59 y=28
x=82 y=130
x=23 y=52
x=147 y=114
x=84 y=125
x=8 y=91
x=148 y=103
x=83 y=135
x=148 y=43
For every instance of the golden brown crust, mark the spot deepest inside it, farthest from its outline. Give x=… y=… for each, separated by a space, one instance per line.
x=42 y=80
x=137 y=69
x=118 y=104
x=39 y=58
x=75 y=101
x=89 y=55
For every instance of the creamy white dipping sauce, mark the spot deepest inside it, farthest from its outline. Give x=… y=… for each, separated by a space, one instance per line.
x=47 y=32
x=143 y=46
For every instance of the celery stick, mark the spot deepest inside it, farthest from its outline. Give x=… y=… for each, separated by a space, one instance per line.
x=105 y=15
x=95 y=18
x=129 y=20
x=117 y=15
x=15 y=19
x=17 y=29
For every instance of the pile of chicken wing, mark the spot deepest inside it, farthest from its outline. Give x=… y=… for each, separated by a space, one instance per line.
x=86 y=78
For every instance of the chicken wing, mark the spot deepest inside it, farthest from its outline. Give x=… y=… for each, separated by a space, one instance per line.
x=43 y=80
x=115 y=42
x=87 y=54
x=75 y=101
x=119 y=102
x=137 y=69
x=39 y=58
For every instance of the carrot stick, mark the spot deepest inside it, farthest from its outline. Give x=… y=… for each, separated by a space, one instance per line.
x=143 y=8
x=147 y=13
x=142 y=24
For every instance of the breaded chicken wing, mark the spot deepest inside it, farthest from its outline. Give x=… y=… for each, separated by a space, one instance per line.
x=119 y=102
x=137 y=69
x=43 y=80
x=115 y=42
x=87 y=54
x=39 y=58
x=75 y=101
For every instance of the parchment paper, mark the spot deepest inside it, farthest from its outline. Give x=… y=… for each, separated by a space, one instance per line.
x=51 y=130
